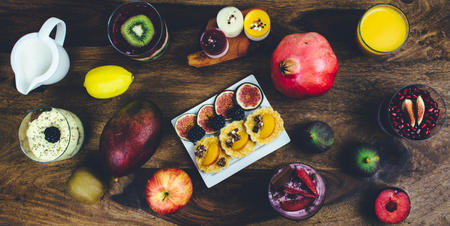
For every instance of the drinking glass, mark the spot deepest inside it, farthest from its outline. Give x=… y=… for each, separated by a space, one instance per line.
x=157 y=45
x=394 y=119
x=285 y=177
x=48 y=134
x=382 y=29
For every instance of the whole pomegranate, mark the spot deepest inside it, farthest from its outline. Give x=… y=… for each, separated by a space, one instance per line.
x=303 y=65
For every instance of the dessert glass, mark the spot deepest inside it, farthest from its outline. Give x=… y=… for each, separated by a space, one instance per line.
x=231 y=21
x=34 y=133
x=382 y=29
x=394 y=122
x=276 y=196
x=157 y=45
x=257 y=25
x=214 y=43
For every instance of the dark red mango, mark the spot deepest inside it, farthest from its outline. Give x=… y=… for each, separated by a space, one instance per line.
x=131 y=137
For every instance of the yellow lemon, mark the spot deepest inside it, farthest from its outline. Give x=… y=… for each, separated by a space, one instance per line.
x=107 y=81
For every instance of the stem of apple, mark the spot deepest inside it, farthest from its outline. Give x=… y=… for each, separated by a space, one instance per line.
x=166 y=194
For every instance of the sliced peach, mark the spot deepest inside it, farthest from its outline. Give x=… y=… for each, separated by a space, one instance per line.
x=420 y=109
x=268 y=126
x=238 y=145
x=212 y=154
x=407 y=108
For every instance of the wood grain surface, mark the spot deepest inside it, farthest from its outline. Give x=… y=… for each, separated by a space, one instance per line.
x=34 y=193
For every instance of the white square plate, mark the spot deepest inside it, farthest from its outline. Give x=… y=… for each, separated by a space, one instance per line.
x=235 y=165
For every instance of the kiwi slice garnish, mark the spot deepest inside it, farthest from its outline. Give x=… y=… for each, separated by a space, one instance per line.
x=138 y=30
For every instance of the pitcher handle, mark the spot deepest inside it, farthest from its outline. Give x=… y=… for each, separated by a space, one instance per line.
x=48 y=26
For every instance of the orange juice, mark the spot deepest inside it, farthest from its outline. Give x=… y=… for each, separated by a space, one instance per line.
x=382 y=29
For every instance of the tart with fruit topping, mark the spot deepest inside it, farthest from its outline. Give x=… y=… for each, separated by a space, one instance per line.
x=264 y=125
x=235 y=140
x=210 y=156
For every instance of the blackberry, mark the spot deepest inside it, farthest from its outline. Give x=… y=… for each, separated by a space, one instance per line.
x=52 y=134
x=196 y=133
x=237 y=113
x=218 y=122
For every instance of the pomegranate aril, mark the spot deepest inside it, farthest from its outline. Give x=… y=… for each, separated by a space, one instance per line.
x=423 y=126
x=430 y=109
x=436 y=111
x=432 y=125
x=431 y=118
x=427 y=132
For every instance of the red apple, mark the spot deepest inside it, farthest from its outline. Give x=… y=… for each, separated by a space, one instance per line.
x=392 y=205
x=168 y=190
x=304 y=65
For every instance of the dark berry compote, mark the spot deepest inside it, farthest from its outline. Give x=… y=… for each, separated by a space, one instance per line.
x=214 y=43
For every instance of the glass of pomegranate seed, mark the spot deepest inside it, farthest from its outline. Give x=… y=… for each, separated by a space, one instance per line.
x=415 y=112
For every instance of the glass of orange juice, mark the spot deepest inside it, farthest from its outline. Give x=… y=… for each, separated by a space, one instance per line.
x=382 y=29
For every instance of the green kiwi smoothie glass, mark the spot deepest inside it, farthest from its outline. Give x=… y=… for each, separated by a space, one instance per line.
x=136 y=29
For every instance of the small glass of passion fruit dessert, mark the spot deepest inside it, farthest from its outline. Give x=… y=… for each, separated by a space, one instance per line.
x=136 y=29
x=415 y=112
x=296 y=191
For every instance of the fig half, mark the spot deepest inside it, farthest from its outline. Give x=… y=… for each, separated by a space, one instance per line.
x=223 y=104
x=420 y=109
x=249 y=96
x=185 y=123
x=204 y=118
x=407 y=109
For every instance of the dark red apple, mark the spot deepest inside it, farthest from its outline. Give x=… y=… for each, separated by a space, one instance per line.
x=392 y=205
x=304 y=65
x=168 y=190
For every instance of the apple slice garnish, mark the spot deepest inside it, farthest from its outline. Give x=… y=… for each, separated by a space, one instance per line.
x=212 y=154
x=268 y=126
x=420 y=109
x=407 y=109
x=240 y=144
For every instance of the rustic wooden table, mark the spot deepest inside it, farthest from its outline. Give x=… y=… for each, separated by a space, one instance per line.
x=34 y=193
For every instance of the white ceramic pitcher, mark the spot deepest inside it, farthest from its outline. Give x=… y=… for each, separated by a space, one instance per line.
x=37 y=59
